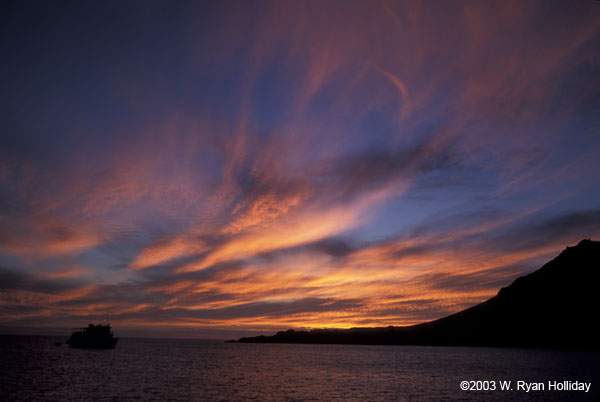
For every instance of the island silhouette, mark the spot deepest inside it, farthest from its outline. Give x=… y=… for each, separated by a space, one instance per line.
x=555 y=306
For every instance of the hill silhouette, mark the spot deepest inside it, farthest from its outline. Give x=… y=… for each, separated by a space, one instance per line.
x=555 y=306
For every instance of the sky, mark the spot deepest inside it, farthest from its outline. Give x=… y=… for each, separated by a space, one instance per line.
x=215 y=169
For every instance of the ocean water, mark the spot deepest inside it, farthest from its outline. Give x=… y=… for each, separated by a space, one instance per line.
x=33 y=369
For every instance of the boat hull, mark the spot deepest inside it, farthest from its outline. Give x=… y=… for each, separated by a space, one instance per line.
x=93 y=337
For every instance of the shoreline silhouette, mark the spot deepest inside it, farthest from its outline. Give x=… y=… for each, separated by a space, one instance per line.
x=554 y=306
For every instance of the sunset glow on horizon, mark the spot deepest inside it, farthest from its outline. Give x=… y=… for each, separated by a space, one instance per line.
x=224 y=168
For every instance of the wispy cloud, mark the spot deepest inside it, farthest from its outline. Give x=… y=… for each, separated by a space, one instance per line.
x=278 y=164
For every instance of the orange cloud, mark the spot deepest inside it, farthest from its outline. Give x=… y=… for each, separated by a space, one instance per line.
x=293 y=231
x=166 y=250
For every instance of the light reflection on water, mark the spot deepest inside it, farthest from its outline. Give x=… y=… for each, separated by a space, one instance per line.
x=33 y=369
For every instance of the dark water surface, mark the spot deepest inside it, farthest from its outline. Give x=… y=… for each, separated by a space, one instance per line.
x=33 y=369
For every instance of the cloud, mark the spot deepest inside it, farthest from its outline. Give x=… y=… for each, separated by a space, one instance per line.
x=288 y=164
x=565 y=228
x=15 y=280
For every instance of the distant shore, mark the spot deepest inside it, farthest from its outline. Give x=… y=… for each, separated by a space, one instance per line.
x=554 y=306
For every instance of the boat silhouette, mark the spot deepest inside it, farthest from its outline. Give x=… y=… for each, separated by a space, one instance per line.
x=93 y=337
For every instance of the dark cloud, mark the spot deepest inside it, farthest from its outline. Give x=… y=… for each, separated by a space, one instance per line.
x=123 y=294
x=15 y=280
x=566 y=228
x=506 y=235
x=164 y=276
x=333 y=247
x=376 y=167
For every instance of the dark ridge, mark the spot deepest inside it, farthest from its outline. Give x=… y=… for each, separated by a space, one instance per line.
x=555 y=306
